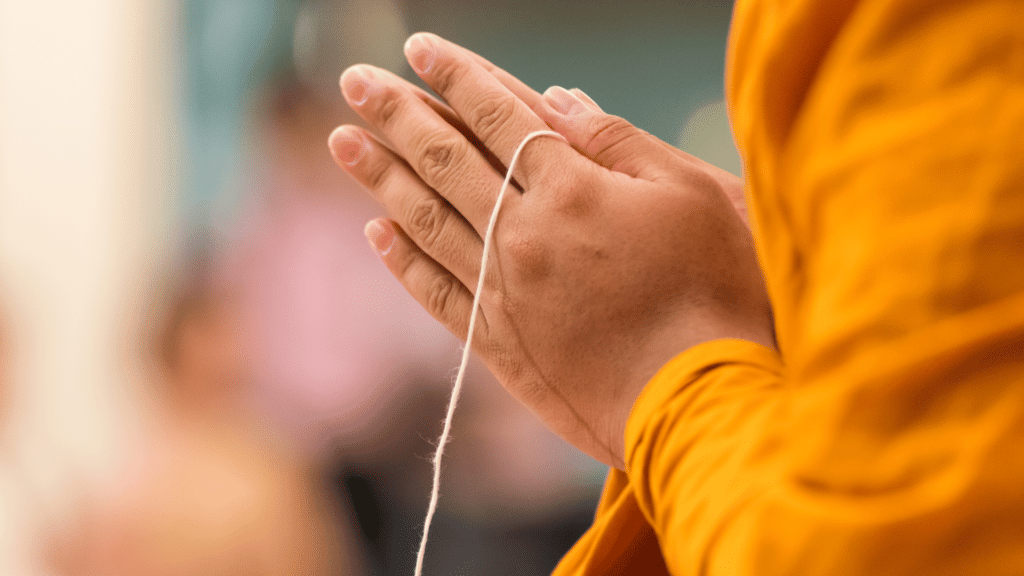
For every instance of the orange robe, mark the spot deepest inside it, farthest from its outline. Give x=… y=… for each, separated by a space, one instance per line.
x=884 y=150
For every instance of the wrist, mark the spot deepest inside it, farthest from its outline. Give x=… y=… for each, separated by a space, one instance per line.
x=660 y=349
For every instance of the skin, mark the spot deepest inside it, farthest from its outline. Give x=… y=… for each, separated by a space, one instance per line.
x=3 y=371
x=616 y=253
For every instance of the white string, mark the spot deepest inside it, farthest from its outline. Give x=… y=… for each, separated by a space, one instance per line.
x=457 y=388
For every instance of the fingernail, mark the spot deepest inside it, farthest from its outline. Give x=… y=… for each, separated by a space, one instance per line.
x=420 y=51
x=355 y=84
x=563 y=101
x=346 y=145
x=586 y=99
x=380 y=235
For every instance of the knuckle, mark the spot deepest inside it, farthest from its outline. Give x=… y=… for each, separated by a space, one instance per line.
x=439 y=296
x=436 y=158
x=388 y=106
x=445 y=76
x=531 y=257
x=426 y=220
x=609 y=132
x=492 y=112
x=575 y=198
x=377 y=174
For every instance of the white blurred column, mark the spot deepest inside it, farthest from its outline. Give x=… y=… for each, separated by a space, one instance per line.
x=85 y=181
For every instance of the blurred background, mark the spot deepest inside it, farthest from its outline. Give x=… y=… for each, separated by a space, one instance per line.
x=203 y=367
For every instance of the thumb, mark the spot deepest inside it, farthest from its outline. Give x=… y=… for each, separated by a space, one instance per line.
x=586 y=99
x=608 y=140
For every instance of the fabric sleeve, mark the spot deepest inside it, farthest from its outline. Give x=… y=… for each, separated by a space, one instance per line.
x=697 y=436
x=620 y=541
x=891 y=203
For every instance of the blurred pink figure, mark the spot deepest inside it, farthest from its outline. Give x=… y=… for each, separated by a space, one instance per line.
x=209 y=490
x=337 y=344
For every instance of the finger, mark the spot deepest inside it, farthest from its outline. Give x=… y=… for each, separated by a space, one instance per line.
x=442 y=157
x=497 y=116
x=449 y=115
x=732 y=186
x=586 y=99
x=528 y=95
x=608 y=140
x=590 y=103
x=516 y=86
x=440 y=293
x=431 y=222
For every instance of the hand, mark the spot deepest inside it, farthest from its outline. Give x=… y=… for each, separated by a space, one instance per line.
x=731 y=185
x=618 y=253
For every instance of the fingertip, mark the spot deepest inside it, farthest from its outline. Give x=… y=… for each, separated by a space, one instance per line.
x=571 y=126
x=564 y=102
x=380 y=233
x=336 y=134
x=587 y=100
x=421 y=50
x=346 y=145
x=416 y=37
